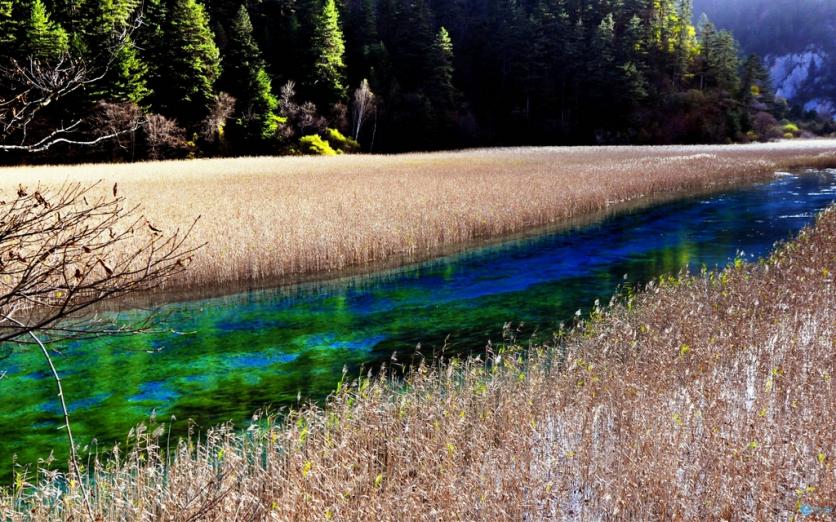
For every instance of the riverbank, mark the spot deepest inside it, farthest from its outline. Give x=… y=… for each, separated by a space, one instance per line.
x=703 y=397
x=275 y=220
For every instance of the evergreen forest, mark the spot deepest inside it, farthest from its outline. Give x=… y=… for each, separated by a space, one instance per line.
x=224 y=78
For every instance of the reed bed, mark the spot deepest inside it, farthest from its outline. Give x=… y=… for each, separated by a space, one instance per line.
x=271 y=219
x=704 y=397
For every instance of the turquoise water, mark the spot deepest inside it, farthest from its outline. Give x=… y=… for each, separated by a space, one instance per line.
x=223 y=358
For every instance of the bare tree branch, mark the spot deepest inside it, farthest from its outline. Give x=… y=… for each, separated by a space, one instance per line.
x=29 y=86
x=64 y=251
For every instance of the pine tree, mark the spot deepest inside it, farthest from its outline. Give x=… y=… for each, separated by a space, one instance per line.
x=633 y=56
x=127 y=75
x=722 y=61
x=755 y=82
x=440 y=82
x=245 y=78
x=40 y=37
x=8 y=27
x=686 y=42
x=361 y=38
x=149 y=39
x=603 y=48
x=327 y=81
x=190 y=63
x=440 y=91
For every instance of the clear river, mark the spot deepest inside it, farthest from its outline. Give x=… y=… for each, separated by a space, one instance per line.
x=221 y=359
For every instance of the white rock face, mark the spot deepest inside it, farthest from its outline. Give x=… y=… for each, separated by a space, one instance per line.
x=795 y=77
x=791 y=71
x=821 y=106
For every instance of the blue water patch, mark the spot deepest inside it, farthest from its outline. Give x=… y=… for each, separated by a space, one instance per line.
x=157 y=392
x=807 y=510
x=258 y=360
x=74 y=406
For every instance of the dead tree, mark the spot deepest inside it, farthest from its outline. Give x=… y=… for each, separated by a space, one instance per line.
x=64 y=252
x=29 y=86
x=364 y=105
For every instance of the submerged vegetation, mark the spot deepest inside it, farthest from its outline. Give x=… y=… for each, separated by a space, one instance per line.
x=270 y=219
x=702 y=397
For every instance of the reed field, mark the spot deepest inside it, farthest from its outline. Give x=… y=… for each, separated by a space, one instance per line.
x=703 y=397
x=269 y=219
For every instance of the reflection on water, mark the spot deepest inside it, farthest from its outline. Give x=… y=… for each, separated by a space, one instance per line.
x=226 y=357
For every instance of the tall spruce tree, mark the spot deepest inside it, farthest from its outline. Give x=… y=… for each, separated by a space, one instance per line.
x=441 y=91
x=8 y=28
x=686 y=43
x=190 y=64
x=361 y=38
x=245 y=78
x=721 y=59
x=440 y=81
x=103 y=25
x=40 y=37
x=327 y=73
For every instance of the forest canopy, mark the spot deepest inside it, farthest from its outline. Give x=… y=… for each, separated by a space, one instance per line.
x=222 y=77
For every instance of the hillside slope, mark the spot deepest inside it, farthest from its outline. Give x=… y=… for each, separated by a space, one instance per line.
x=796 y=39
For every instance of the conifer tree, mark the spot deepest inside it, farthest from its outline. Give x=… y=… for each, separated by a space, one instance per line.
x=441 y=93
x=722 y=61
x=127 y=75
x=633 y=56
x=40 y=37
x=102 y=26
x=8 y=27
x=440 y=85
x=363 y=47
x=686 y=42
x=149 y=41
x=245 y=78
x=755 y=82
x=190 y=63
x=327 y=81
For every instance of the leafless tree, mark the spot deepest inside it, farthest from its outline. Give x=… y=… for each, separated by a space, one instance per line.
x=65 y=251
x=363 y=106
x=109 y=118
x=164 y=138
x=29 y=86
x=301 y=119
x=222 y=109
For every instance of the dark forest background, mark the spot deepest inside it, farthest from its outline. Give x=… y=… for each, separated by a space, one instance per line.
x=222 y=77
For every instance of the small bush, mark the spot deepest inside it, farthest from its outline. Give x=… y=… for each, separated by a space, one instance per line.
x=314 y=145
x=340 y=142
x=767 y=126
x=791 y=130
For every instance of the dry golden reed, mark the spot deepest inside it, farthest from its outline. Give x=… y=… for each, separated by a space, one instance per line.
x=708 y=397
x=272 y=218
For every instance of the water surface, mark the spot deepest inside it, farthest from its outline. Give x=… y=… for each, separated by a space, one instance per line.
x=223 y=358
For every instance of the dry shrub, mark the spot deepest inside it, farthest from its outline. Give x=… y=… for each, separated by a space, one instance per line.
x=212 y=127
x=703 y=398
x=767 y=127
x=164 y=138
